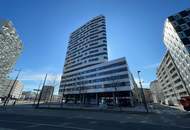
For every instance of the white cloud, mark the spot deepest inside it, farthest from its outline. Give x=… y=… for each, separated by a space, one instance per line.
x=152 y=66
x=36 y=76
x=144 y=84
x=32 y=78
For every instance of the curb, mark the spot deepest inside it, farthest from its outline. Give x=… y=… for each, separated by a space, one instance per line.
x=97 y=110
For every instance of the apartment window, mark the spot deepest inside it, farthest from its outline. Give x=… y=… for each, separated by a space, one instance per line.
x=95 y=59
x=184 y=27
x=181 y=21
x=103 y=28
x=105 y=57
x=187 y=19
x=93 y=51
x=186 y=41
x=104 y=41
x=170 y=65
x=188 y=24
x=187 y=32
x=182 y=93
x=93 y=44
x=183 y=13
x=177 y=81
x=178 y=29
x=175 y=75
x=171 y=18
x=94 y=37
x=172 y=70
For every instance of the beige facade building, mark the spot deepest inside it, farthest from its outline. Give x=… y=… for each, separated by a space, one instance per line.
x=16 y=91
x=171 y=83
x=177 y=41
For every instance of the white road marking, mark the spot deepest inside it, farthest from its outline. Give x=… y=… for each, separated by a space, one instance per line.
x=32 y=124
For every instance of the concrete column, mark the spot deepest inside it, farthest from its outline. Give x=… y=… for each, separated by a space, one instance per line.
x=84 y=97
x=114 y=98
x=97 y=99
x=75 y=99
x=131 y=99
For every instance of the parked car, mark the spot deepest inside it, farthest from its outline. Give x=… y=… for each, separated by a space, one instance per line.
x=185 y=101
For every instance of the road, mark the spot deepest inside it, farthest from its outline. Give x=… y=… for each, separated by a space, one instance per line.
x=40 y=119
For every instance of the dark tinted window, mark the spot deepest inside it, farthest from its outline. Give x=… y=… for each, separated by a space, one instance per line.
x=178 y=29
x=188 y=24
x=187 y=32
x=180 y=21
x=183 y=13
x=185 y=41
x=171 y=18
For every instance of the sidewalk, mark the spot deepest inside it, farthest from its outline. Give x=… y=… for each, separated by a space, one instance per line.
x=106 y=115
x=136 y=109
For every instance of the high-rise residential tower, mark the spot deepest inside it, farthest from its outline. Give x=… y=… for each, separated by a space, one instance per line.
x=10 y=48
x=170 y=82
x=88 y=75
x=177 y=41
x=87 y=46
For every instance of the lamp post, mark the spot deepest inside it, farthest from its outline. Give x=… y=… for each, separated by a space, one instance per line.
x=9 y=94
x=37 y=105
x=142 y=93
x=37 y=91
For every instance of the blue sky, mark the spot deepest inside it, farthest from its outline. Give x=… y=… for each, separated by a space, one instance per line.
x=134 y=30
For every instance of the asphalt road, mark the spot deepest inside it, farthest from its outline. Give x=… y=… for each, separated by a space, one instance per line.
x=82 y=120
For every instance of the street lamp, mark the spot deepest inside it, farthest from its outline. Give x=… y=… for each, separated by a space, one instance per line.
x=38 y=103
x=142 y=93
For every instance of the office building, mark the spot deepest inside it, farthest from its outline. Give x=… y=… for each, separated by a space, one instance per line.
x=28 y=95
x=16 y=92
x=177 y=41
x=47 y=93
x=88 y=75
x=171 y=84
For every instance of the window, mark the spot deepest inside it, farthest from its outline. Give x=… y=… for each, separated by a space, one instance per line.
x=177 y=81
x=184 y=27
x=105 y=57
x=180 y=21
x=188 y=23
x=183 y=13
x=95 y=59
x=94 y=37
x=185 y=41
x=178 y=29
x=171 y=18
x=93 y=51
x=175 y=75
x=187 y=19
x=172 y=70
x=187 y=32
